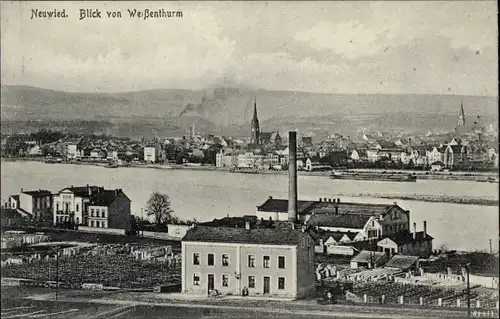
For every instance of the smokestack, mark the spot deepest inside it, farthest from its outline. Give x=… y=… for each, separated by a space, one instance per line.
x=414 y=230
x=292 y=176
x=425 y=229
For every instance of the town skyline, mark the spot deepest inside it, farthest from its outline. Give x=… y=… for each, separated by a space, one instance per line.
x=343 y=48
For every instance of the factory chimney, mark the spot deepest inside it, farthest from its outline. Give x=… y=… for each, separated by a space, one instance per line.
x=414 y=230
x=292 y=176
x=425 y=229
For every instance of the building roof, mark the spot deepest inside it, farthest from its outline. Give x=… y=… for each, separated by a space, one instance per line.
x=39 y=192
x=83 y=191
x=15 y=197
x=264 y=236
x=405 y=237
x=328 y=206
x=338 y=220
x=104 y=197
x=366 y=256
x=401 y=262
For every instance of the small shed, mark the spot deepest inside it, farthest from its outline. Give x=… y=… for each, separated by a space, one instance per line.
x=403 y=263
x=368 y=259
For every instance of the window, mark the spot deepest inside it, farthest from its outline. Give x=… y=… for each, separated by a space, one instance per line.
x=57 y=206
x=225 y=281
x=103 y=214
x=92 y=224
x=77 y=207
x=78 y=221
x=92 y=212
x=196 y=259
x=210 y=259
x=251 y=261
x=98 y=224
x=266 y=262
x=225 y=260
x=281 y=262
x=251 y=282
x=281 y=282
x=196 y=279
x=103 y=224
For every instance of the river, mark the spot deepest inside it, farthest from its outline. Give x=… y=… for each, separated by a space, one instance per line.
x=205 y=195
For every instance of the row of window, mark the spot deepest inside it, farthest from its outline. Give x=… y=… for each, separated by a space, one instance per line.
x=66 y=206
x=97 y=213
x=62 y=219
x=97 y=223
x=266 y=260
x=250 y=282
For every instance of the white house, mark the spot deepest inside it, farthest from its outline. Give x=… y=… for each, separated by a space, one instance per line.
x=150 y=154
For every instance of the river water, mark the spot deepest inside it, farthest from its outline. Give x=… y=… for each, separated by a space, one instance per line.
x=205 y=195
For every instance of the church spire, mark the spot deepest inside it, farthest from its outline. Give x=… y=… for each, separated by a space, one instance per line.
x=255 y=131
x=461 y=116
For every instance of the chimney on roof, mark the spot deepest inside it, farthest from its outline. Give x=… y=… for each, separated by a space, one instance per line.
x=71 y=186
x=320 y=199
x=21 y=190
x=425 y=229
x=414 y=230
x=270 y=197
x=395 y=203
x=116 y=192
x=325 y=199
x=338 y=200
x=292 y=176
x=247 y=225
x=89 y=190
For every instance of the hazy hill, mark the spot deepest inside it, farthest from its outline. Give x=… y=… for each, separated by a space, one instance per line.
x=171 y=111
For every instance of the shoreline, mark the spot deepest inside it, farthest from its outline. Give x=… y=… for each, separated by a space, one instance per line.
x=422 y=175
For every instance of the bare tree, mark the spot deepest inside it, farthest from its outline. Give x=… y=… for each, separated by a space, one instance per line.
x=159 y=206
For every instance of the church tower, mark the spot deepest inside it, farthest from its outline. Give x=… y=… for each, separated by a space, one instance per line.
x=461 y=116
x=255 y=133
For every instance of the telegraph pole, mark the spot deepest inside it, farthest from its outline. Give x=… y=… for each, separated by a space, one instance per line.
x=491 y=248
x=57 y=271
x=468 y=289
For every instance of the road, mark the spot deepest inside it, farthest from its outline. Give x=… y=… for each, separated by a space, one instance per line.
x=21 y=305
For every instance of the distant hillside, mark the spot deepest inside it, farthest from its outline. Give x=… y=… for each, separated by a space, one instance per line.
x=229 y=109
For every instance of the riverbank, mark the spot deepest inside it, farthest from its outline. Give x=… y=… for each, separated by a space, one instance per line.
x=423 y=175
x=463 y=200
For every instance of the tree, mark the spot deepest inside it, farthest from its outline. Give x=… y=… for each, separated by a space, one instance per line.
x=159 y=206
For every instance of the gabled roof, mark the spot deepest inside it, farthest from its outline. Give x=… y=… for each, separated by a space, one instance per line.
x=366 y=256
x=405 y=237
x=401 y=262
x=82 y=191
x=104 y=197
x=338 y=220
x=264 y=236
x=39 y=192
x=15 y=197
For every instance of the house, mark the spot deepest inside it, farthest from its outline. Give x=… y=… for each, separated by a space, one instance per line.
x=151 y=154
x=35 y=150
x=437 y=166
x=370 y=220
x=372 y=155
x=73 y=148
x=13 y=202
x=359 y=155
x=109 y=209
x=317 y=164
x=455 y=155
x=403 y=263
x=435 y=154
x=262 y=262
x=71 y=203
x=98 y=153
x=368 y=259
x=36 y=203
x=406 y=243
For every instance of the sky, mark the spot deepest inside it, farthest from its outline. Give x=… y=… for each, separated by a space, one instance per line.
x=361 y=47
